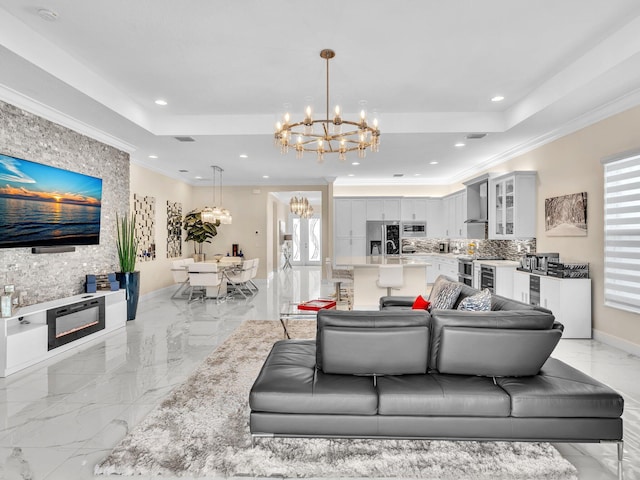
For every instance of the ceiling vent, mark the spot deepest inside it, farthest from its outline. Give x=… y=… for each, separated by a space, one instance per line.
x=398 y=174
x=476 y=136
x=185 y=139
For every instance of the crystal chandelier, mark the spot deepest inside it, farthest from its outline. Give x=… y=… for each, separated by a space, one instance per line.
x=301 y=207
x=216 y=214
x=328 y=135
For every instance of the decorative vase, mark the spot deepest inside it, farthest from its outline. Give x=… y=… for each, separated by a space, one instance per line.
x=199 y=257
x=130 y=282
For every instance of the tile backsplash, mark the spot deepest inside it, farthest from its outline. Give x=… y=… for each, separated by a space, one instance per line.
x=507 y=249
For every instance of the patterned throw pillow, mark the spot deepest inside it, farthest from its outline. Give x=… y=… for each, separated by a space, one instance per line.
x=446 y=296
x=480 y=302
x=437 y=285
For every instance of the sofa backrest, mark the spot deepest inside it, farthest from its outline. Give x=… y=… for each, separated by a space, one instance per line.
x=372 y=342
x=494 y=343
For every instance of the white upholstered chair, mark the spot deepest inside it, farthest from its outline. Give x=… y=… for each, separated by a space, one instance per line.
x=254 y=273
x=238 y=279
x=203 y=277
x=180 y=273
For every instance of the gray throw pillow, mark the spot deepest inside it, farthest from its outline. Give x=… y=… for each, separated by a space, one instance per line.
x=446 y=296
x=480 y=302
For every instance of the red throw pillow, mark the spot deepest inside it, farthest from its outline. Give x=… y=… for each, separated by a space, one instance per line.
x=420 y=303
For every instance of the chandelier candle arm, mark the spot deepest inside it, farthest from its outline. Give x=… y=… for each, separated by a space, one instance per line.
x=359 y=138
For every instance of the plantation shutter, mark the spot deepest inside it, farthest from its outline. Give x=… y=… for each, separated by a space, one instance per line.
x=622 y=233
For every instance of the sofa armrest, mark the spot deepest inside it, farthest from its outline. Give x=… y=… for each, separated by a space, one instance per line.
x=388 y=302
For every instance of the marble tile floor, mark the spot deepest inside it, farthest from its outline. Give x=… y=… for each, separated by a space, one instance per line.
x=60 y=417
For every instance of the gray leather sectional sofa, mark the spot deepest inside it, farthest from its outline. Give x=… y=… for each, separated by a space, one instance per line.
x=432 y=375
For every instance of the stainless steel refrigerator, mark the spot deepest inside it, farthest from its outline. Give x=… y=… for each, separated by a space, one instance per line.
x=383 y=237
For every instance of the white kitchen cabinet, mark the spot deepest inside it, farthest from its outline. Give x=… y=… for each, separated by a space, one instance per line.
x=503 y=275
x=382 y=208
x=475 y=283
x=350 y=227
x=413 y=209
x=570 y=301
x=512 y=206
x=435 y=218
x=455 y=212
x=521 y=286
x=442 y=265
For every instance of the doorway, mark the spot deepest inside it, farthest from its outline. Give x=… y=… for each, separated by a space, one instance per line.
x=307 y=240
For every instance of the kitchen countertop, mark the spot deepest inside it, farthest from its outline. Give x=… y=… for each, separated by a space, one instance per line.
x=499 y=263
x=375 y=260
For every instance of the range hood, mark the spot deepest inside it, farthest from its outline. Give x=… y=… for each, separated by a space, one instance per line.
x=479 y=202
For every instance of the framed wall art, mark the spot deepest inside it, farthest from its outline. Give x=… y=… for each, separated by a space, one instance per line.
x=566 y=216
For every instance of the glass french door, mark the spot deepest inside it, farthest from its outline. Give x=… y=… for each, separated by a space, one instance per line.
x=307 y=240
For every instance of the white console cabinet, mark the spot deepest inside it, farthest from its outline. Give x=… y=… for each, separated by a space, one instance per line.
x=24 y=336
x=569 y=299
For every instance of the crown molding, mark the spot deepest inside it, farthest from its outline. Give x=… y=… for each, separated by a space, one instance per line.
x=38 y=108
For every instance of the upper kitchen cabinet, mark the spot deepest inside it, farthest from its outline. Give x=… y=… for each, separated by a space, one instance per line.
x=414 y=209
x=436 y=227
x=383 y=209
x=455 y=214
x=349 y=217
x=512 y=206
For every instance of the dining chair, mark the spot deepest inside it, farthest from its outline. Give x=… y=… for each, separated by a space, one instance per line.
x=202 y=277
x=238 y=278
x=180 y=275
x=340 y=277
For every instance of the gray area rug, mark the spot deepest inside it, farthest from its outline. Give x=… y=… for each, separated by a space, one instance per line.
x=202 y=430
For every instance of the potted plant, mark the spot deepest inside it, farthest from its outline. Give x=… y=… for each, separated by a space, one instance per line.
x=200 y=232
x=129 y=278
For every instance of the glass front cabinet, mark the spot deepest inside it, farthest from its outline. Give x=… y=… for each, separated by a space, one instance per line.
x=512 y=205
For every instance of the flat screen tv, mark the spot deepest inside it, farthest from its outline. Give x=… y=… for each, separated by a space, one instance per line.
x=47 y=206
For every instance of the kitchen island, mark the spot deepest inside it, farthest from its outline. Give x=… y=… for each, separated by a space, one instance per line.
x=366 y=293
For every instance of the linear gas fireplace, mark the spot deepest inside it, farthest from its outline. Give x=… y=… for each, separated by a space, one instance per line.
x=74 y=321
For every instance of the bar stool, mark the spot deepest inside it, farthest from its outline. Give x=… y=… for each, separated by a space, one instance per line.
x=390 y=277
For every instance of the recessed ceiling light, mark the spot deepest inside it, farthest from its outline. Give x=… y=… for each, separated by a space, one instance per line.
x=47 y=15
x=459 y=144
x=355 y=163
x=198 y=177
x=433 y=163
x=161 y=102
x=265 y=176
x=351 y=175
x=244 y=155
x=153 y=156
x=497 y=98
x=417 y=174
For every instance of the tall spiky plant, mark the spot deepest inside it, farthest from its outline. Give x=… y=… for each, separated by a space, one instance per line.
x=126 y=242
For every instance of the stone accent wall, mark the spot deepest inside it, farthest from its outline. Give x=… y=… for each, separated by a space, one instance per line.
x=45 y=277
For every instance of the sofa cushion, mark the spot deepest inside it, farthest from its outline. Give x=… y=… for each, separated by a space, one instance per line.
x=480 y=302
x=517 y=320
x=495 y=352
x=447 y=395
x=420 y=303
x=372 y=342
x=444 y=294
x=290 y=383
x=561 y=391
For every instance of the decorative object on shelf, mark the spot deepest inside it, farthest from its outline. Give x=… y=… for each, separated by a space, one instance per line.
x=105 y=281
x=216 y=213
x=127 y=245
x=200 y=232
x=301 y=207
x=566 y=216
x=174 y=229
x=330 y=137
x=6 y=304
x=145 y=228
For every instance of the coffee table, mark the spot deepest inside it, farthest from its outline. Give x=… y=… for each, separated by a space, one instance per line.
x=290 y=311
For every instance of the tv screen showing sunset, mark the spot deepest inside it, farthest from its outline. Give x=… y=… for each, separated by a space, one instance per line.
x=42 y=205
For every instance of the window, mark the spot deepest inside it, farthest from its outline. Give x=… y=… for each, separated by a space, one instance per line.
x=622 y=232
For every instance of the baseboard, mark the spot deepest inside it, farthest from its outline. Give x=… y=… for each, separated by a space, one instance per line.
x=161 y=292
x=617 y=342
